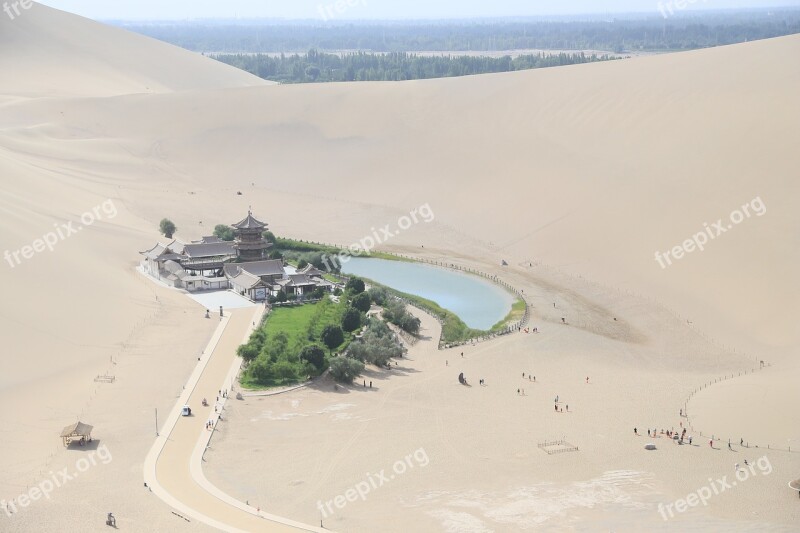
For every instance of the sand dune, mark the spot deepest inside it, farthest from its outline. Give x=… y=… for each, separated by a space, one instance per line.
x=585 y=170
x=56 y=54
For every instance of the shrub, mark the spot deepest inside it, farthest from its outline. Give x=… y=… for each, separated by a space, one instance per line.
x=345 y=369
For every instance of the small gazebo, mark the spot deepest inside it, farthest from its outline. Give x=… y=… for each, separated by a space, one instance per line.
x=77 y=432
x=795 y=485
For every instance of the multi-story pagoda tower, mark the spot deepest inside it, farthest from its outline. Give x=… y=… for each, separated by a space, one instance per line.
x=250 y=243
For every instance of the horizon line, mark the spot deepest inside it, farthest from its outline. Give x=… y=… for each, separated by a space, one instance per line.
x=687 y=13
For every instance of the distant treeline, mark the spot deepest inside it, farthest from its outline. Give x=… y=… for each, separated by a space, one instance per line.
x=639 y=32
x=318 y=67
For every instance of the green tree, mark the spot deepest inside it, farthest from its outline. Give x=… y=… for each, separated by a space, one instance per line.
x=224 y=232
x=278 y=345
x=361 y=302
x=332 y=336
x=396 y=313
x=377 y=346
x=269 y=236
x=280 y=298
x=351 y=320
x=318 y=293
x=260 y=370
x=355 y=285
x=345 y=369
x=284 y=370
x=248 y=351
x=410 y=323
x=314 y=354
x=378 y=295
x=167 y=228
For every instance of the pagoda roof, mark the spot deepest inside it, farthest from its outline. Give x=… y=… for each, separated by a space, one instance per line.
x=250 y=222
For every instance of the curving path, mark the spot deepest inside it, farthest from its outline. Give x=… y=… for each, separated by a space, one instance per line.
x=173 y=467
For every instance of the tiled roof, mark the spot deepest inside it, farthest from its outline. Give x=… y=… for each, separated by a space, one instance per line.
x=209 y=249
x=271 y=267
x=159 y=249
x=247 y=280
x=300 y=280
x=310 y=270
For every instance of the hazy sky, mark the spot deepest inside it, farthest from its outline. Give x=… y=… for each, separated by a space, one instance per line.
x=377 y=9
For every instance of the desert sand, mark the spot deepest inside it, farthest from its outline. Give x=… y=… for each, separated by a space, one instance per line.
x=575 y=176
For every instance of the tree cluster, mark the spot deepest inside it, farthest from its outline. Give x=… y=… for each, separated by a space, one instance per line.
x=319 y=67
x=395 y=312
x=377 y=346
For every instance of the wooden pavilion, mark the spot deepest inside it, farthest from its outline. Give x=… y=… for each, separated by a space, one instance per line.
x=77 y=432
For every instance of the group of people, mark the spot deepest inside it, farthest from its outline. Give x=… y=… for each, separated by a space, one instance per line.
x=669 y=433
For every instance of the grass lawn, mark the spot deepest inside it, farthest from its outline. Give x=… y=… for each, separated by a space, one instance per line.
x=303 y=325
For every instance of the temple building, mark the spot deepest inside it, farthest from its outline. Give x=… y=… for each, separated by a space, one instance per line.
x=250 y=243
x=241 y=266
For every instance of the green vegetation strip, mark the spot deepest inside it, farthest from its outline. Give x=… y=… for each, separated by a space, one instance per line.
x=453 y=328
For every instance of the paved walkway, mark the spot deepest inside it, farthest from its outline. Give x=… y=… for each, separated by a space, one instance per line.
x=173 y=468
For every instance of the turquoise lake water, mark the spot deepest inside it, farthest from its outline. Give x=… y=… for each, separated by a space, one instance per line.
x=479 y=303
